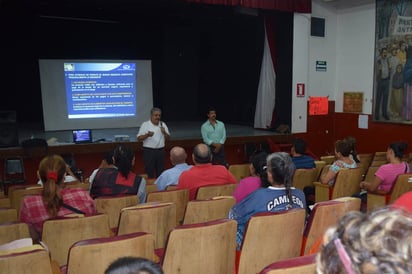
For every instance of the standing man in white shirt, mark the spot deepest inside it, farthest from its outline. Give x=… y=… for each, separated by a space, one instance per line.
x=153 y=133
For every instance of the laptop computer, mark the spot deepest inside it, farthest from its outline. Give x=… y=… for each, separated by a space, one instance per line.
x=81 y=136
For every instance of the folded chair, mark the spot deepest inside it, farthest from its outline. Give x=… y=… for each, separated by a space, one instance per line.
x=156 y=218
x=95 y=255
x=270 y=237
x=8 y=215
x=201 y=248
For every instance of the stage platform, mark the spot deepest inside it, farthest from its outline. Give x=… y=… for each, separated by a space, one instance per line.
x=239 y=142
x=186 y=134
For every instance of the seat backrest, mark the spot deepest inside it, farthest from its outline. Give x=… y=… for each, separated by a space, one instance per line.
x=8 y=215
x=60 y=234
x=201 y=248
x=180 y=197
x=379 y=155
x=269 y=237
x=365 y=161
x=347 y=182
x=318 y=166
x=77 y=184
x=150 y=188
x=298 y=265
x=328 y=159
x=35 y=261
x=199 y=211
x=303 y=177
x=155 y=218
x=18 y=195
x=95 y=255
x=239 y=171
x=378 y=163
x=207 y=192
x=5 y=202
x=324 y=215
x=370 y=173
x=113 y=205
x=401 y=186
x=13 y=231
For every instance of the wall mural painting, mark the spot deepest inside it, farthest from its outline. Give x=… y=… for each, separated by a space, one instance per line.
x=393 y=62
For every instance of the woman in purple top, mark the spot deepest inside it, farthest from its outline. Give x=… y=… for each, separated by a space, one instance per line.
x=386 y=174
x=257 y=179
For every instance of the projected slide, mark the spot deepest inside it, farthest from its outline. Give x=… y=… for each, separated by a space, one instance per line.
x=100 y=90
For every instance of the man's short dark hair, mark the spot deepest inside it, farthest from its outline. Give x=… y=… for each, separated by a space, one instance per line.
x=300 y=146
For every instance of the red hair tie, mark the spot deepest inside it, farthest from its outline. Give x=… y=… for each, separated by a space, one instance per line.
x=52 y=175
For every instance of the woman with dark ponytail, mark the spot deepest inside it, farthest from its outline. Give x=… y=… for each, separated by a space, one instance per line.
x=279 y=196
x=55 y=200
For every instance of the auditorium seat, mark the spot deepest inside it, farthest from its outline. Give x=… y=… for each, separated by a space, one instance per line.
x=370 y=173
x=59 y=234
x=13 y=172
x=13 y=231
x=324 y=215
x=5 y=202
x=150 y=188
x=95 y=255
x=303 y=177
x=269 y=237
x=298 y=265
x=201 y=248
x=365 y=161
x=347 y=182
x=199 y=211
x=18 y=195
x=180 y=197
x=239 y=171
x=319 y=167
x=379 y=198
x=156 y=218
x=8 y=215
x=328 y=159
x=112 y=205
x=30 y=260
x=207 y=192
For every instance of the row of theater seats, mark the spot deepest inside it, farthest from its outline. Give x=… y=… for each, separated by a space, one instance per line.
x=189 y=248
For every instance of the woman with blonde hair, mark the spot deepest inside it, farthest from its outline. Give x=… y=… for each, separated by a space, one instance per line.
x=55 y=200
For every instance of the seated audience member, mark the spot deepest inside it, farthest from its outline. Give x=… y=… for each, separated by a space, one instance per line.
x=258 y=178
x=68 y=178
x=353 y=153
x=107 y=162
x=119 y=179
x=298 y=155
x=171 y=176
x=377 y=242
x=277 y=197
x=203 y=173
x=344 y=160
x=133 y=265
x=55 y=200
x=386 y=174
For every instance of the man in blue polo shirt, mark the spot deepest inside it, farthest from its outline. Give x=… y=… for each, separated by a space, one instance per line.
x=298 y=155
x=214 y=135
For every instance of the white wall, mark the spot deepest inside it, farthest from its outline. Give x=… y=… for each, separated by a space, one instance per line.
x=348 y=48
x=301 y=33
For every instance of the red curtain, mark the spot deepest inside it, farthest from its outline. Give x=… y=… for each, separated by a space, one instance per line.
x=302 y=6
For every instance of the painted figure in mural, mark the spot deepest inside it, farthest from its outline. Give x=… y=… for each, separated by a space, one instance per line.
x=382 y=90
x=407 y=78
